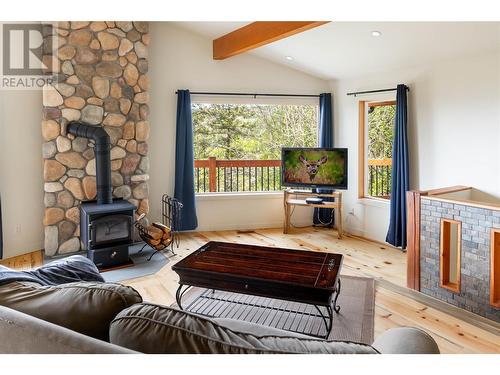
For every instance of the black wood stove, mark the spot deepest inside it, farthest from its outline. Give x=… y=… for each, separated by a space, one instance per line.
x=106 y=225
x=106 y=231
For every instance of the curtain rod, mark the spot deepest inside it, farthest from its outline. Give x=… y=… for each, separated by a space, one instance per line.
x=251 y=94
x=373 y=91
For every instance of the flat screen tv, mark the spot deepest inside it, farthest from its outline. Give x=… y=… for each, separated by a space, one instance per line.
x=314 y=167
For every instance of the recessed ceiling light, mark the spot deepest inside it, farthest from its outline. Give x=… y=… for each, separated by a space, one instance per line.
x=376 y=33
x=289 y=58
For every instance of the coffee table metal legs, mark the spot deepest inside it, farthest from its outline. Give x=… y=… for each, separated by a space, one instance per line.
x=336 y=307
x=328 y=320
x=180 y=293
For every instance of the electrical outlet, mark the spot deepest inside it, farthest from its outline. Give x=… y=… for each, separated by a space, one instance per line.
x=18 y=228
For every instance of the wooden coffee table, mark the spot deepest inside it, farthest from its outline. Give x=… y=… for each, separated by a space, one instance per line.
x=293 y=275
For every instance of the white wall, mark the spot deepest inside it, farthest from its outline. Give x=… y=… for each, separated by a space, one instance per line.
x=21 y=183
x=180 y=59
x=454 y=131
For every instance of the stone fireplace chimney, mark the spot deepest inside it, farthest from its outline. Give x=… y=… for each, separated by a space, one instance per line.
x=100 y=78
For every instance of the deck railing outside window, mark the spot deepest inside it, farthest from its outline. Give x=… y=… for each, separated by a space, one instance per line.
x=212 y=175
x=379 y=178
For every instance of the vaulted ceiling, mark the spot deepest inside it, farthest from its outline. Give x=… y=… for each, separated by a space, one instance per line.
x=340 y=50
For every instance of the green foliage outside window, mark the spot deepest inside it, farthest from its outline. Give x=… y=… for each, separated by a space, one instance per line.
x=249 y=132
x=381 y=131
x=252 y=131
x=380 y=141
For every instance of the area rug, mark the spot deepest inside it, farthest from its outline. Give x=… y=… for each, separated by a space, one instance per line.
x=354 y=322
x=141 y=266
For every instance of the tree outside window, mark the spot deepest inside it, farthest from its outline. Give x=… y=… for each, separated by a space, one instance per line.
x=248 y=134
x=380 y=139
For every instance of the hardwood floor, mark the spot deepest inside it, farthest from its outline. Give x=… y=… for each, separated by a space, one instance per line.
x=362 y=258
x=24 y=262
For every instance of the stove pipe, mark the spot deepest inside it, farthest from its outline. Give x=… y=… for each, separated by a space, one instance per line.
x=102 y=157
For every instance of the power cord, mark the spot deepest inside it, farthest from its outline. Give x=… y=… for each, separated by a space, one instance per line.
x=321 y=222
x=294 y=226
x=317 y=216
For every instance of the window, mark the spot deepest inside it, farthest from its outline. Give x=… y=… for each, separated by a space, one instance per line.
x=376 y=135
x=450 y=245
x=237 y=147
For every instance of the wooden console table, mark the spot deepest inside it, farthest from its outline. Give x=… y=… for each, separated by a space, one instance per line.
x=288 y=202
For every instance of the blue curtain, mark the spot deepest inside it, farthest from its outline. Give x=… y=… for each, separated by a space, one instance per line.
x=325 y=128
x=396 y=235
x=184 y=162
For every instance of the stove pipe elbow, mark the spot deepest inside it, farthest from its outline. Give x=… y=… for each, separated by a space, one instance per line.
x=102 y=157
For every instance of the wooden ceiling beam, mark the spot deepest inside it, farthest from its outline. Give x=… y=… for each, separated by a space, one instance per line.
x=257 y=34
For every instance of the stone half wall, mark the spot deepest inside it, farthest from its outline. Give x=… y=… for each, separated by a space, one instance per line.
x=100 y=77
x=476 y=222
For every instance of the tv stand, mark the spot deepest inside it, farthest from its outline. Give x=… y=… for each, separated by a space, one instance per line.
x=289 y=201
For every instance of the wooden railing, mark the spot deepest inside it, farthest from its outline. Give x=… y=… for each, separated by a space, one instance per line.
x=379 y=178
x=212 y=175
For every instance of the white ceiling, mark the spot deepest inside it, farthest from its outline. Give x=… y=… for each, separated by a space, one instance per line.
x=340 y=50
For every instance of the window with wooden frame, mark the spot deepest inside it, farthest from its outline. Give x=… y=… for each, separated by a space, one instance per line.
x=449 y=249
x=495 y=268
x=237 y=144
x=376 y=137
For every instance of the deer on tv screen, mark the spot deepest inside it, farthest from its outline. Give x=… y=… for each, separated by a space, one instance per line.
x=314 y=167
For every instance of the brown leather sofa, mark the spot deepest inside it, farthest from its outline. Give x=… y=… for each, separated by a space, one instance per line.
x=110 y=318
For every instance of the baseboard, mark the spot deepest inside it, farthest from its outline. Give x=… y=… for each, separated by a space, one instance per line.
x=370 y=236
x=249 y=226
x=362 y=238
x=278 y=224
x=466 y=316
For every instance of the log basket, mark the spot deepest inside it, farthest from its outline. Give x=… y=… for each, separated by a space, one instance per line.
x=161 y=236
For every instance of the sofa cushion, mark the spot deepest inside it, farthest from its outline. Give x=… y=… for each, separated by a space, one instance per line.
x=151 y=328
x=25 y=334
x=85 y=307
x=256 y=329
x=406 y=340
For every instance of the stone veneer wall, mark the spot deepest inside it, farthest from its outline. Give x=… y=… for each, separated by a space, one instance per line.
x=475 y=254
x=100 y=77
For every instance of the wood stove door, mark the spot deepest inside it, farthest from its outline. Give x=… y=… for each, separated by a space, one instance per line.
x=110 y=229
